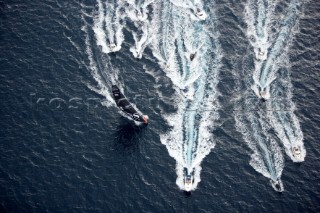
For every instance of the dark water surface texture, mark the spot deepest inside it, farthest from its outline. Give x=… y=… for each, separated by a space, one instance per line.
x=63 y=150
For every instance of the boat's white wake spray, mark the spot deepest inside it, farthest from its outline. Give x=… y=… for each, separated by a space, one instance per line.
x=287 y=128
x=141 y=41
x=108 y=26
x=194 y=8
x=267 y=157
x=137 y=10
x=100 y=64
x=280 y=107
x=259 y=16
x=280 y=112
x=270 y=39
x=190 y=57
x=164 y=43
x=104 y=84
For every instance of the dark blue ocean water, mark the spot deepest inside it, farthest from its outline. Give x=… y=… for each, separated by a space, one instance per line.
x=62 y=151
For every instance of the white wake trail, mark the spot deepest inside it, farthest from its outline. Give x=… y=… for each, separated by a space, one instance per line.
x=138 y=10
x=194 y=8
x=282 y=117
x=100 y=65
x=287 y=127
x=108 y=26
x=259 y=16
x=270 y=39
x=267 y=157
x=194 y=79
x=270 y=36
x=164 y=43
x=103 y=85
x=142 y=39
x=280 y=106
x=281 y=44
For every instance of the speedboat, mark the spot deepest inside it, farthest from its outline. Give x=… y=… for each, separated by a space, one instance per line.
x=112 y=46
x=200 y=14
x=139 y=15
x=261 y=53
x=263 y=95
x=192 y=56
x=296 y=151
x=277 y=185
x=252 y=38
x=138 y=54
x=262 y=91
x=188 y=183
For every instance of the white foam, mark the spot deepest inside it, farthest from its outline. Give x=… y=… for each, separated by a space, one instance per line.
x=267 y=157
x=268 y=45
x=107 y=27
x=286 y=124
x=138 y=11
x=141 y=42
x=191 y=8
x=94 y=71
x=189 y=139
x=284 y=121
x=109 y=75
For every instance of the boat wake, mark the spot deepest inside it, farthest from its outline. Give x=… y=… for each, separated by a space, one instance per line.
x=270 y=39
x=280 y=112
x=107 y=34
x=186 y=48
x=190 y=57
x=108 y=25
x=193 y=8
x=183 y=40
x=267 y=157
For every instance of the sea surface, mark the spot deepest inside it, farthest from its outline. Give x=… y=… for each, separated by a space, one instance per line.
x=64 y=147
